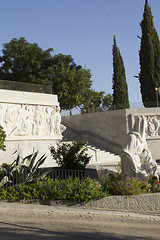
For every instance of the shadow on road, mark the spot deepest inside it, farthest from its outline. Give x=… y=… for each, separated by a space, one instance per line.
x=15 y=231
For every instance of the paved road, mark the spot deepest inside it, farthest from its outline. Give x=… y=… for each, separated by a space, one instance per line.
x=32 y=221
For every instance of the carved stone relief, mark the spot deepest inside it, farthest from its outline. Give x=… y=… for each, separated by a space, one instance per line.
x=136 y=159
x=30 y=120
x=153 y=126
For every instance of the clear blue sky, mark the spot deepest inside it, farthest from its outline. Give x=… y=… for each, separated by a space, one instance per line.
x=84 y=29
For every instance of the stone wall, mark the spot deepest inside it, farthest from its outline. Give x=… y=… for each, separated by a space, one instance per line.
x=31 y=121
x=98 y=127
x=109 y=129
x=152 y=116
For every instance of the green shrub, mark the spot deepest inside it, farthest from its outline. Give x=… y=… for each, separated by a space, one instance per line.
x=70 y=189
x=2 y=139
x=154 y=184
x=71 y=156
x=57 y=189
x=131 y=186
x=2 y=172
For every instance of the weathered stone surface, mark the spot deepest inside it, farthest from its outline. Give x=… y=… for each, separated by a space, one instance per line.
x=136 y=159
x=138 y=203
x=31 y=121
x=110 y=129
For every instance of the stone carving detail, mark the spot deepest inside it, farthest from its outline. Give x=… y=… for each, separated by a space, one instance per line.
x=153 y=126
x=30 y=120
x=136 y=159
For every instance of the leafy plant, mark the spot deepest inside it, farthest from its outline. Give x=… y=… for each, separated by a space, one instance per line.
x=2 y=138
x=57 y=189
x=22 y=170
x=154 y=184
x=71 y=156
x=131 y=186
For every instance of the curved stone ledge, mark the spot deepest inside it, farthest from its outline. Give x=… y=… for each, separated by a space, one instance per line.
x=137 y=203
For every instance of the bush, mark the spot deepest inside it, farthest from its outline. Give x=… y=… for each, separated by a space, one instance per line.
x=131 y=186
x=154 y=184
x=71 y=156
x=2 y=139
x=57 y=189
x=22 y=170
x=2 y=172
x=70 y=189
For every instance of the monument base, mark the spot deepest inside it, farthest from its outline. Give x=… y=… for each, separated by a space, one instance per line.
x=31 y=121
x=25 y=148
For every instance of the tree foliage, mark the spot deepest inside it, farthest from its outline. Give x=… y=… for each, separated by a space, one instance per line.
x=26 y=62
x=120 y=88
x=96 y=102
x=22 y=61
x=70 y=81
x=149 y=55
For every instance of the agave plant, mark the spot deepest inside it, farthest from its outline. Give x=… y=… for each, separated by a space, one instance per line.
x=22 y=170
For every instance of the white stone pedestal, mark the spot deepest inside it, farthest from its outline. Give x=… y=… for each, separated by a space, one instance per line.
x=31 y=121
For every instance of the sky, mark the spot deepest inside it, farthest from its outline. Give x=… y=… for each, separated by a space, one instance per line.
x=83 y=29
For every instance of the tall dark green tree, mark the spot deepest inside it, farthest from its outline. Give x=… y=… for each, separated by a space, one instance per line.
x=149 y=56
x=120 y=88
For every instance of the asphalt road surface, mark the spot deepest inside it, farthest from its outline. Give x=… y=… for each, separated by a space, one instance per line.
x=42 y=222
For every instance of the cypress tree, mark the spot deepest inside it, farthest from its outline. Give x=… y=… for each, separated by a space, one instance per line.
x=149 y=56
x=120 y=88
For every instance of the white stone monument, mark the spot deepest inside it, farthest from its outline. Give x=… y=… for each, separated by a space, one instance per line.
x=136 y=159
x=31 y=121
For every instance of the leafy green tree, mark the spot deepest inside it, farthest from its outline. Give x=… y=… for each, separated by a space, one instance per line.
x=96 y=102
x=26 y=62
x=120 y=88
x=149 y=56
x=70 y=81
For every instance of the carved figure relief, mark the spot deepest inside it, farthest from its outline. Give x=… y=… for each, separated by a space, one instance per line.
x=153 y=125
x=57 y=121
x=136 y=159
x=30 y=120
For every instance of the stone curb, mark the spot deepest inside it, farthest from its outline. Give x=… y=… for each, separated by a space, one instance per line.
x=137 y=203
